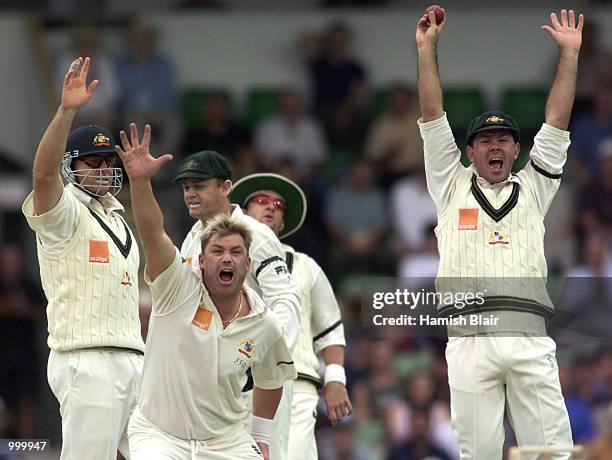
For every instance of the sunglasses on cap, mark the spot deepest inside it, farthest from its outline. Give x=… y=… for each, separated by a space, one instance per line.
x=95 y=161
x=265 y=200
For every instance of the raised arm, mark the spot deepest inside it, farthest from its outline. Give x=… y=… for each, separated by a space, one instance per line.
x=568 y=37
x=430 y=89
x=140 y=166
x=46 y=172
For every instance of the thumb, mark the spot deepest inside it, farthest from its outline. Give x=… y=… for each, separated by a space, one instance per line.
x=164 y=159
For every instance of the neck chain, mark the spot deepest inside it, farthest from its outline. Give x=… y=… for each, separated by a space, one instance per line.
x=228 y=322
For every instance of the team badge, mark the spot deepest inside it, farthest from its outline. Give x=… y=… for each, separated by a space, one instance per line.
x=246 y=347
x=498 y=237
x=100 y=140
x=127 y=280
x=494 y=120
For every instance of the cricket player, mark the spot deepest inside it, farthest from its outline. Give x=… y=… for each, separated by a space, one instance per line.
x=89 y=269
x=206 y=181
x=205 y=332
x=280 y=204
x=490 y=227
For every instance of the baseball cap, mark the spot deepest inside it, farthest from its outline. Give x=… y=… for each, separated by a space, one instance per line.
x=89 y=140
x=492 y=120
x=293 y=195
x=204 y=165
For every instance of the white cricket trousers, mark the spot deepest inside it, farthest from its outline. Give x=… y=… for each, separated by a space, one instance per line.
x=302 y=442
x=280 y=425
x=486 y=373
x=149 y=442
x=97 y=390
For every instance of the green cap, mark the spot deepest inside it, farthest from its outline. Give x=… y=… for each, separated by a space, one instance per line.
x=204 y=165
x=293 y=195
x=492 y=120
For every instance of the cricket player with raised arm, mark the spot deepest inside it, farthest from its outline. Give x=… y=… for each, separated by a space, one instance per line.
x=205 y=332
x=206 y=181
x=280 y=204
x=490 y=235
x=89 y=270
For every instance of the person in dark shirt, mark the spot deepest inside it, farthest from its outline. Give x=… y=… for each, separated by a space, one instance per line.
x=419 y=445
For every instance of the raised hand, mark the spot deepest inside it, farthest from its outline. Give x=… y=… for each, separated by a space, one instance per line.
x=75 y=92
x=566 y=34
x=428 y=30
x=138 y=162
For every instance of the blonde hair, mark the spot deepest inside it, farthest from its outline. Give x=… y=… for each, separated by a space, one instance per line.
x=223 y=225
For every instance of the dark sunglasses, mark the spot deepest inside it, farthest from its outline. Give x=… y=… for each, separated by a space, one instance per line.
x=95 y=161
x=265 y=200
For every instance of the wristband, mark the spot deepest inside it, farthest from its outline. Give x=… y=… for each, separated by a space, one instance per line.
x=261 y=429
x=334 y=373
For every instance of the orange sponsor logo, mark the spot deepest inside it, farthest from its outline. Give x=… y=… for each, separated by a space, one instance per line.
x=202 y=318
x=468 y=219
x=98 y=252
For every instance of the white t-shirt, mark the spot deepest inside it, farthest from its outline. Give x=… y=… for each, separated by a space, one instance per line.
x=194 y=370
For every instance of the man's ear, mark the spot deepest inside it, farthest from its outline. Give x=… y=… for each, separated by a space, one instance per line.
x=226 y=187
x=517 y=146
x=470 y=153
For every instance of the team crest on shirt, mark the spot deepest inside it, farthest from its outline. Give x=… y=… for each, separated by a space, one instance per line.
x=498 y=237
x=247 y=347
x=126 y=280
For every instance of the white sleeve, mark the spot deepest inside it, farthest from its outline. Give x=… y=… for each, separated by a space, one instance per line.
x=177 y=286
x=57 y=226
x=327 y=328
x=545 y=166
x=277 y=288
x=275 y=367
x=442 y=161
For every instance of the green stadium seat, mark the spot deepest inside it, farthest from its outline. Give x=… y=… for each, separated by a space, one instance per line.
x=261 y=103
x=462 y=103
x=526 y=105
x=193 y=103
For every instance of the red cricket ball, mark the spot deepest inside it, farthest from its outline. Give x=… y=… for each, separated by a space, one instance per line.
x=438 y=11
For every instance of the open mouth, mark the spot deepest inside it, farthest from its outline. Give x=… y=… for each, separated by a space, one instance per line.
x=226 y=275
x=496 y=163
x=193 y=205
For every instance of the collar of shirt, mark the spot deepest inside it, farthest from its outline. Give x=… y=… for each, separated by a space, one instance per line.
x=108 y=202
x=483 y=183
x=256 y=304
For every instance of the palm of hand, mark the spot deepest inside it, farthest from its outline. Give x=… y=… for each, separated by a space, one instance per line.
x=75 y=93
x=566 y=34
x=140 y=163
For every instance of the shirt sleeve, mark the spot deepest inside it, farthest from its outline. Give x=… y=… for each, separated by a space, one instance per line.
x=545 y=166
x=177 y=286
x=442 y=161
x=56 y=227
x=275 y=367
x=276 y=284
x=327 y=328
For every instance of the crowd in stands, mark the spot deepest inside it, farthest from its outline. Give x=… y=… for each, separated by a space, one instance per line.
x=361 y=167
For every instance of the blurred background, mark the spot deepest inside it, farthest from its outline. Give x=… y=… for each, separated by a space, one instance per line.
x=323 y=92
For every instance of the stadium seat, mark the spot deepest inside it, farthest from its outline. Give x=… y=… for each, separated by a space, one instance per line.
x=526 y=106
x=261 y=102
x=193 y=102
x=462 y=103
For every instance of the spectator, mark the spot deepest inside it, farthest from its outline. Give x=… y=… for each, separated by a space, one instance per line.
x=357 y=221
x=581 y=418
x=595 y=201
x=591 y=128
x=394 y=143
x=410 y=228
x=419 y=446
x=601 y=446
x=341 y=443
x=218 y=132
x=87 y=41
x=419 y=268
x=338 y=86
x=293 y=134
x=148 y=84
x=21 y=309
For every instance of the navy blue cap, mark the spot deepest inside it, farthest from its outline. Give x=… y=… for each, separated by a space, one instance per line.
x=89 y=140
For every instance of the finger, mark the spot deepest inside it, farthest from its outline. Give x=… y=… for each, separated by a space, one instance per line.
x=432 y=18
x=163 y=160
x=146 y=138
x=85 y=69
x=68 y=76
x=554 y=20
x=134 y=134
x=572 y=19
x=580 y=22
x=92 y=87
x=548 y=30
x=124 y=141
x=564 y=18
x=121 y=153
